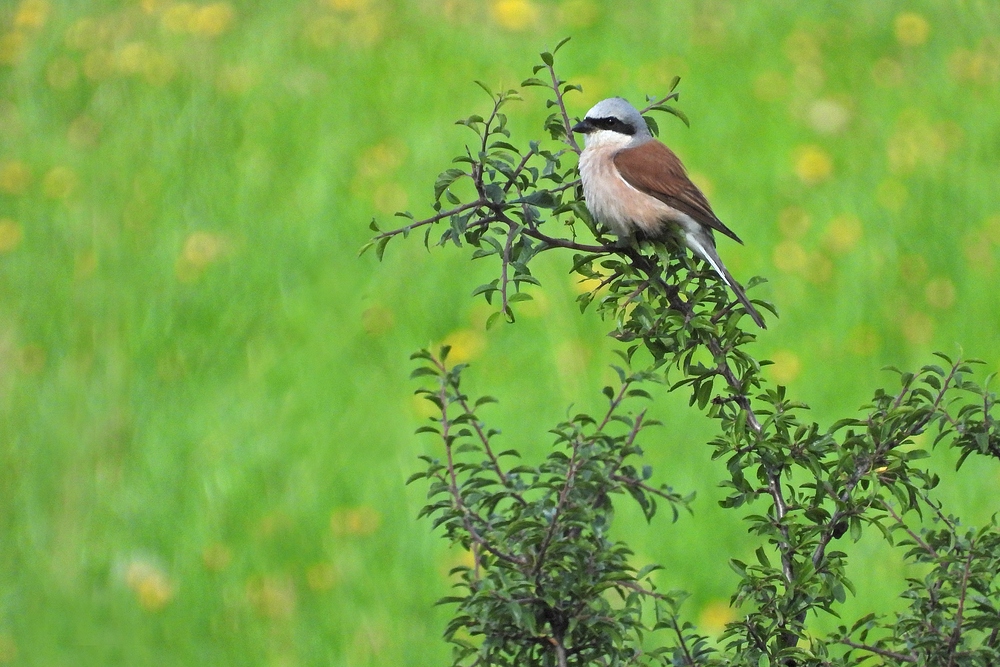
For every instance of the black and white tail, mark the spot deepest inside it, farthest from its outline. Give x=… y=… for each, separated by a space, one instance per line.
x=704 y=247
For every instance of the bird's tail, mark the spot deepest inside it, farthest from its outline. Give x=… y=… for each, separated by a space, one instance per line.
x=706 y=250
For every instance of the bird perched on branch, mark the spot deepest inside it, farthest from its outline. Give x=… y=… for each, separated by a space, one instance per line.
x=634 y=183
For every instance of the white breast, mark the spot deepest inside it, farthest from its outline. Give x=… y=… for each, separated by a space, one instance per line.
x=610 y=199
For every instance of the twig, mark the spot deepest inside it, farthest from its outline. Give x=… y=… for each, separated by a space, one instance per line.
x=866 y=464
x=957 y=633
x=560 y=504
x=505 y=263
x=457 y=495
x=916 y=538
x=570 y=139
x=479 y=203
x=671 y=96
x=518 y=169
x=902 y=657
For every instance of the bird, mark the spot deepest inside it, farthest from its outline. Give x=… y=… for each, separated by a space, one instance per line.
x=633 y=183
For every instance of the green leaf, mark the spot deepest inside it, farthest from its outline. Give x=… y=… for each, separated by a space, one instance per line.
x=546 y=58
x=444 y=180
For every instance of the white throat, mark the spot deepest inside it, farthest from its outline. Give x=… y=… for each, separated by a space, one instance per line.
x=607 y=140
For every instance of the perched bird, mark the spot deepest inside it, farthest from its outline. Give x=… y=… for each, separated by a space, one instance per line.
x=634 y=183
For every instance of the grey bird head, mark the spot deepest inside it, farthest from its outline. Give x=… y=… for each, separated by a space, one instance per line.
x=616 y=115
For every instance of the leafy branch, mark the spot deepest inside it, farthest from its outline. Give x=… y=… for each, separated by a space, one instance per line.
x=548 y=586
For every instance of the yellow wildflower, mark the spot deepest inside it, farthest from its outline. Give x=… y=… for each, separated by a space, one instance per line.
x=12 y=46
x=32 y=14
x=813 y=164
x=15 y=177
x=60 y=183
x=794 y=222
x=514 y=14
x=843 y=233
x=10 y=235
x=465 y=344
x=212 y=20
x=786 y=367
x=150 y=584
x=912 y=29
x=940 y=293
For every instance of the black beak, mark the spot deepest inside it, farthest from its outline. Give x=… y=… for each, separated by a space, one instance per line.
x=584 y=127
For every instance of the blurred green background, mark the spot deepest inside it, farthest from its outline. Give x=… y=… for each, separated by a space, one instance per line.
x=206 y=412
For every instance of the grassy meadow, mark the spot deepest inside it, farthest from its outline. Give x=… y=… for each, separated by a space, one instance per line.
x=205 y=412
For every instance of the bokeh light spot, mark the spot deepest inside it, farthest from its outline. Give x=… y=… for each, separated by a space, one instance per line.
x=60 y=182
x=15 y=177
x=8 y=648
x=802 y=46
x=235 y=79
x=978 y=251
x=203 y=248
x=466 y=344
x=382 y=159
x=714 y=616
x=703 y=183
x=940 y=293
x=913 y=269
x=177 y=18
x=32 y=359
x=978 y=66
x=917 y=327
x=10 y=235
x=514 y=14
x=32 y=14
x=389 y=198
x=158 y=69
x=84 y=264
x=786 y=367
x=273 y=596
x=150 y=584
x=843 y=233
x=812 y=164
x=212 y=20
x=571 y=357
x=12 y=46
x=84 y=132
x=85 y=34
x=770 y=86
x=377 y=320
x=887 y=73
x=991 y=227
x=321 y=577
x=911 y=29
x=790 y=257
x=216 y=557
x=794 y=222
x=828 y=116
x=347 y=5
x=132 y=57
x=98 y=64
x=323 y=32
x=357 y=521
x=863 y=341
x=579 y=13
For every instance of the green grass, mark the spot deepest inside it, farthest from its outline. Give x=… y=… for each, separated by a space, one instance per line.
x=206 y=417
